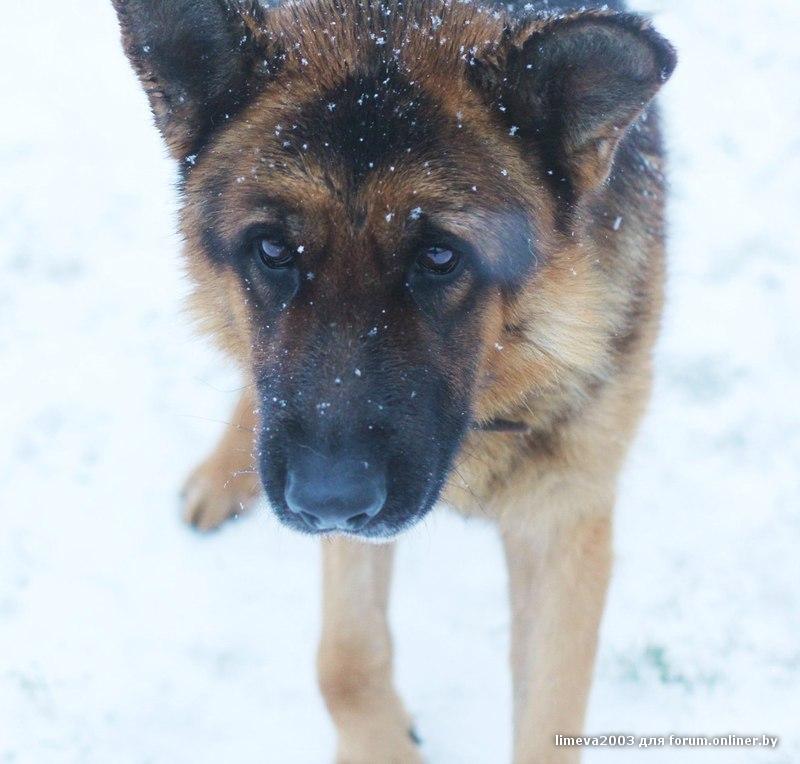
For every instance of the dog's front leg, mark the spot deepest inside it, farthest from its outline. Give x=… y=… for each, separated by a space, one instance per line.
x=226 y=483
x=559 y=565
x=355 y=656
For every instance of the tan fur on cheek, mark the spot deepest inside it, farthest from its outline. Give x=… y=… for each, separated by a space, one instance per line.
x=219 y=307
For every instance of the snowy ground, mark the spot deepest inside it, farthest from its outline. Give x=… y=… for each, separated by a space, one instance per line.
x=126 y=638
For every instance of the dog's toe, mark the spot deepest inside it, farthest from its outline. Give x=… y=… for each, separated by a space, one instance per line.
x=203 y=512
x=210 y=497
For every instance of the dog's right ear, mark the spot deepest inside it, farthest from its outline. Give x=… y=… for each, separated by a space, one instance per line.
x=199 y=61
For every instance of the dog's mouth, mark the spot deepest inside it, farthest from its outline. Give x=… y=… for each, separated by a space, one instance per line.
x=350 y=497
x=375 y=530
x=382 y=528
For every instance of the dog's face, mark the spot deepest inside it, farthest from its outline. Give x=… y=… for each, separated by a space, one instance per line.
x=369 y=198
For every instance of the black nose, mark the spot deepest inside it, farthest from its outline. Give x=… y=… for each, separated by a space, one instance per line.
x=335 y=493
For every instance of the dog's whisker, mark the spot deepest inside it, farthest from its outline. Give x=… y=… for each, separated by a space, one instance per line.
x=242 y=428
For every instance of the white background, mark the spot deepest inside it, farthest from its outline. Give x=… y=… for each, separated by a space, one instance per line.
x=124 y=637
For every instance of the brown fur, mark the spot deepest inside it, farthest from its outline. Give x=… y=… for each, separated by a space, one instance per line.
x=565 y=352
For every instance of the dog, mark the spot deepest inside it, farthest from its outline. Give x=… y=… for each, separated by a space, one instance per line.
x=431 y=234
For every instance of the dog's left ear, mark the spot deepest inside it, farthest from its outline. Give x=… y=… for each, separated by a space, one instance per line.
x=199 y=61
x=574 y=85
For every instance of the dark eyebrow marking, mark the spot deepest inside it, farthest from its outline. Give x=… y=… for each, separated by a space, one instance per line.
x=223 y=249
x=263 y=200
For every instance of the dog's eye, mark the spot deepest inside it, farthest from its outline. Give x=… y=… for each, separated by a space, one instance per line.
x=273 y=253
x=438 y=260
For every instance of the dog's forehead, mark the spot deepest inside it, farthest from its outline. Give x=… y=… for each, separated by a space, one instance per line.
x=368 y=129
x=374 y=143
x=356 y=91
x=373 y=119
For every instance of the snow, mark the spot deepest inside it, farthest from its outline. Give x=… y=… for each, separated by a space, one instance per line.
x=125 y=637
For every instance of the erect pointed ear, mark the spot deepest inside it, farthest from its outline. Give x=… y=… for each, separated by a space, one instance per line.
x=574 y=84
x=198 y=60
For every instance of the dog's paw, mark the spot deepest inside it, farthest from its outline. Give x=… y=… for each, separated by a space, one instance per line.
x=386 y=745
x=401 y=754
x=214 y=493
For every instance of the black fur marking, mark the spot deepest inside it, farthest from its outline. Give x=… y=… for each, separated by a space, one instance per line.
x=370 y=122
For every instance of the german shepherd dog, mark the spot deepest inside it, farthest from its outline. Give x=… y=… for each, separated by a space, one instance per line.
x=431 y=234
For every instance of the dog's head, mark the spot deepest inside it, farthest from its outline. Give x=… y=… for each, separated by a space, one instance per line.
x=378 y=200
